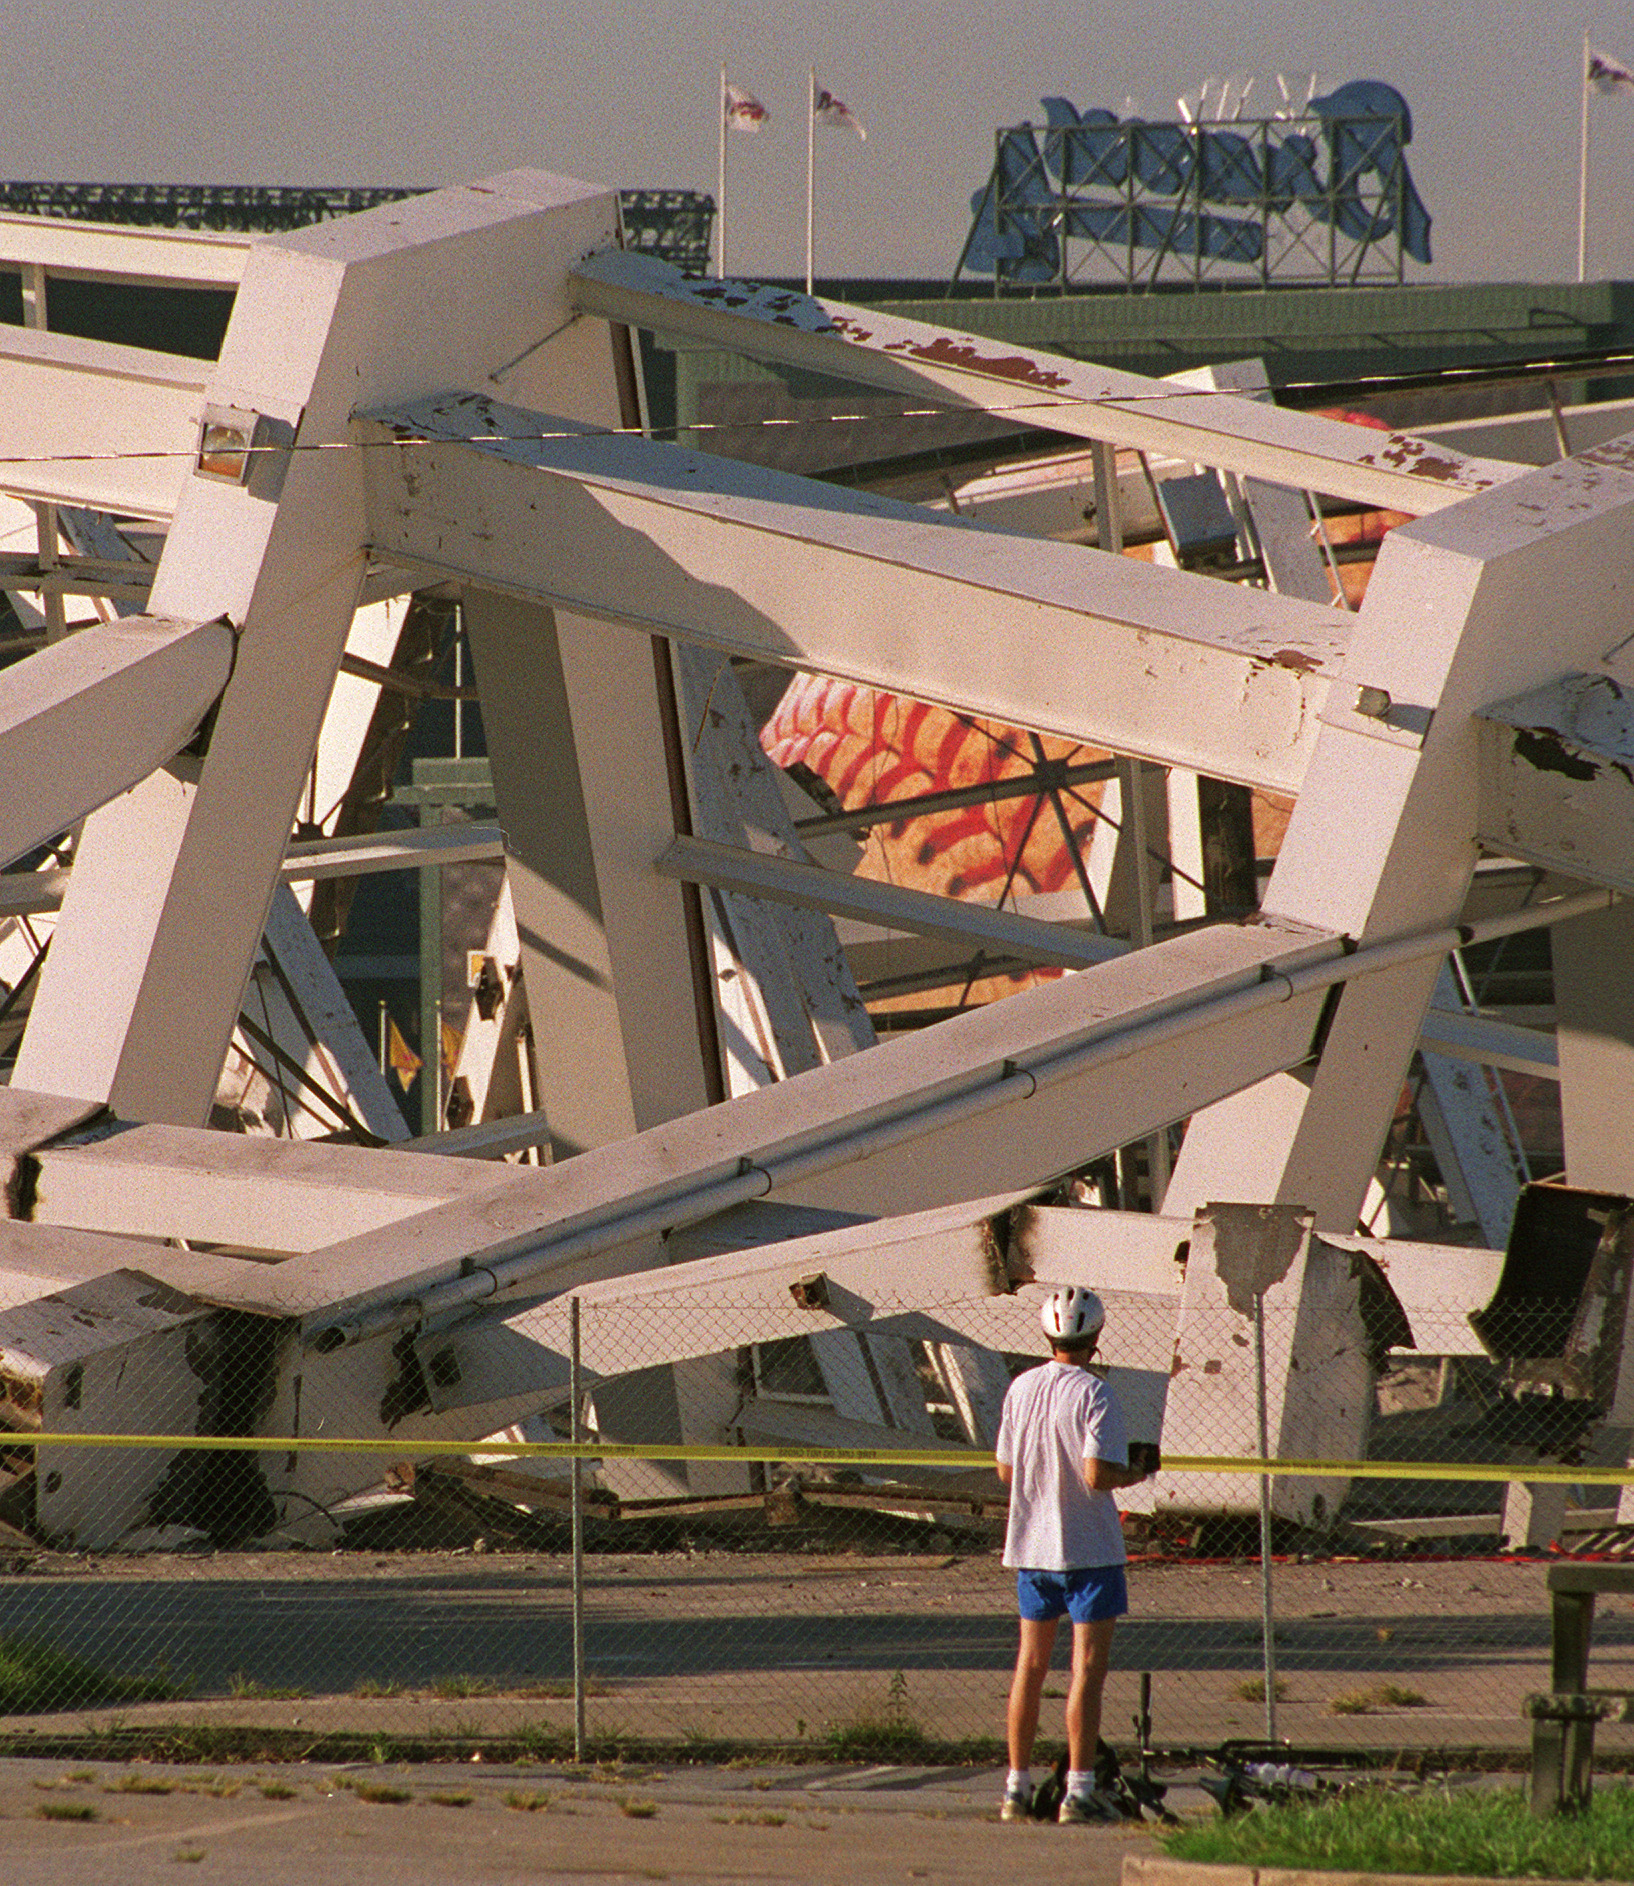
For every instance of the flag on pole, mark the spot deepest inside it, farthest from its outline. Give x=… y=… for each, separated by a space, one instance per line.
x=1606 y=74
x=827 y=109
x=400 y=1057
x=744 y=112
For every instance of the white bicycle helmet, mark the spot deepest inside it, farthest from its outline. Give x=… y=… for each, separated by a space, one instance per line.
x=1072 y=1314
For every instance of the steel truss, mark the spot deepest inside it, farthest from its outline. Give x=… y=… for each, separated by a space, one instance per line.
x=443 y=392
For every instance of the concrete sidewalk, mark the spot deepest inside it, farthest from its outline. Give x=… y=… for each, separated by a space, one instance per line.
x=316 y=1826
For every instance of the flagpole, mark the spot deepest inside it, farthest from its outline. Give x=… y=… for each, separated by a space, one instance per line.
x=811 y=147
x=1583 y=169
x=720 y=185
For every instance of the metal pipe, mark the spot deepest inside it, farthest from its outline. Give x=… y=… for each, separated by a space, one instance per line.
x=1049 y=776
x=1268 y=1636
x=575 y=1392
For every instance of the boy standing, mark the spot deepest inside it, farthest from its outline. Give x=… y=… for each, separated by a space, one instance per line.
x=1062 y=1451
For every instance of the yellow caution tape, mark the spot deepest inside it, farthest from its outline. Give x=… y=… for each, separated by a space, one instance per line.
x=403 y=1448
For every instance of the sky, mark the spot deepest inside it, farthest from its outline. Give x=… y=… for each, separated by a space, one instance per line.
x=441 y=91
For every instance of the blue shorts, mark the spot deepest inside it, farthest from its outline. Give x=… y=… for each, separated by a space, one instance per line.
x=1089 y=1594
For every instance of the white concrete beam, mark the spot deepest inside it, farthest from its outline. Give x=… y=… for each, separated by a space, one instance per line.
x=110 y=428
x=319 y=324
x=1393 y=470
x=87 y=718
x=272 y=1196
x=1557 y=778
x=1185 y=670
x=166 y=258
x=1002 y=1098
x=1491 y=601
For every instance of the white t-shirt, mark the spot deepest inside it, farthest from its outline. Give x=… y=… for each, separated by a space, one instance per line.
x=1055 y=1418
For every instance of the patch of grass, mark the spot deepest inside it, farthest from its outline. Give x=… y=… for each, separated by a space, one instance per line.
x=525 y=1803
x=65 y=1811
x=380 y=1794
x=450 y=1688
x=891 y=1734
x=372 y=1686
x=1252 y=1690
x=251 y=1688
x=34 y=1678
x=1487 y=1831
x=189 y=1856
x=638 y=1810
x=450 y=1800
x=751 y=1820
x=1379 y=1696
x=276 y=1791
x=134 y=1783
x=873 y=1738
x=1393 y=1696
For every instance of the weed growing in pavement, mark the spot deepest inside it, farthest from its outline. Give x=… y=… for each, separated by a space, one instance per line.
x=378 y=1793
x=249 y=1688
x=893 y=1734
x=638 y=1810
x=1252 y=1689
x=1380 y=1696
x=189 y=1856
x=450 y=1800
x=371 y=1686
x=451 y=1688
x=277 y=1791
x=65 y=1811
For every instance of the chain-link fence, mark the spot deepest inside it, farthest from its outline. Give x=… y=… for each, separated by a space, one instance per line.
x=787 y=1516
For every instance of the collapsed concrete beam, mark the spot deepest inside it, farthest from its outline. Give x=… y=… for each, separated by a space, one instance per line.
x=1187 y=671
x=1031 y=387
x=87 y=718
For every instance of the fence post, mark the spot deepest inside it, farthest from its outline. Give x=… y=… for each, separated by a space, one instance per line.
x=578 y=1542
x=1267 y=1613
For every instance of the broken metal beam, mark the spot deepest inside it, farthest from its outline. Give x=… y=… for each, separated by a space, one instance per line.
x=407 y=850
x=87 y=718
x=1392 y=470
x=1187 y=671
x=87 y=423
x=809 y=886
x=1557 y=778
x=31 y=893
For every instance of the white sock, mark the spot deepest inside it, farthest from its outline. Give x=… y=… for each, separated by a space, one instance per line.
x=1080 y=1781
x=1020 y=1782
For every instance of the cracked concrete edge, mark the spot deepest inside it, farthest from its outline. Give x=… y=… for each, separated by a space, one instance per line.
x=1141 y=1869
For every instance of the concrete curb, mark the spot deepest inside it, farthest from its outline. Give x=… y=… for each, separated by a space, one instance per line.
x=1141 y=1869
